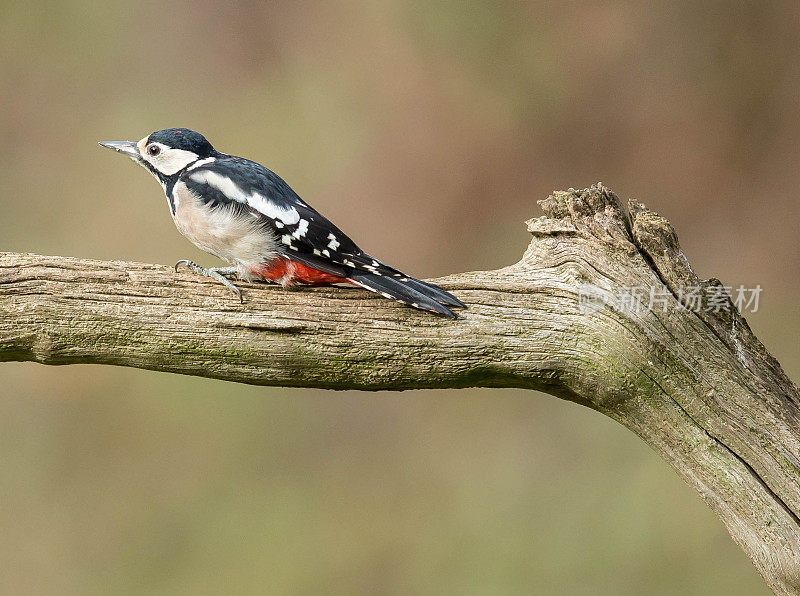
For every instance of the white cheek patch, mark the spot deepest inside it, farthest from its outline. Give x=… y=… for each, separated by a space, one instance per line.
x=258 y=202
x=170 y=161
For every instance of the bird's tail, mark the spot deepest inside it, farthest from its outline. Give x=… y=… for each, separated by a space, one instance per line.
x=434 y=291
x=409 y=291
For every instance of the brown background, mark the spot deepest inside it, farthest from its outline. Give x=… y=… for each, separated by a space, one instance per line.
x=427 y=131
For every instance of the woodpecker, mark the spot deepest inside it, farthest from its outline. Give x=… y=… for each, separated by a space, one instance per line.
x=246 y=215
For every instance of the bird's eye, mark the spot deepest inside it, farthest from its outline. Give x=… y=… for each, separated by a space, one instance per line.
x=153 y=150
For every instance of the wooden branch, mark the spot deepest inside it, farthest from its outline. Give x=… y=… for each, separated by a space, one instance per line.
x=695 y=384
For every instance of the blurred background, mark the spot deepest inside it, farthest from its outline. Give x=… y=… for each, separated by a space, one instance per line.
x=427 y=131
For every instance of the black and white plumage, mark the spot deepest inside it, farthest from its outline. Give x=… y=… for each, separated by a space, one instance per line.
x=248 y=216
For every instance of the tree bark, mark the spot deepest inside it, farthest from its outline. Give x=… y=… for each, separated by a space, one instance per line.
x=695 y=384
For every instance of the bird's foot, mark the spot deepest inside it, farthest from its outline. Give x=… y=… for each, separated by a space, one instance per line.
x=217 y=273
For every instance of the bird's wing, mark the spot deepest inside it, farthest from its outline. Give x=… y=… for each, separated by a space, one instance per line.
x=304 y=234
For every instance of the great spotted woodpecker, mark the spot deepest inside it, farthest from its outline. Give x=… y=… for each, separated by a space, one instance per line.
x=249 y=217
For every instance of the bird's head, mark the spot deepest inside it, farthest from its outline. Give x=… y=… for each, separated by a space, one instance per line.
x=165 y=152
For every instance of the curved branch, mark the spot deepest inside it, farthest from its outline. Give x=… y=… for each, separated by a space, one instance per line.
x=694 y=383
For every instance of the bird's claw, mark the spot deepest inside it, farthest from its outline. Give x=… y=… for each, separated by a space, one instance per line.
x=217 y=273
x=186 y=262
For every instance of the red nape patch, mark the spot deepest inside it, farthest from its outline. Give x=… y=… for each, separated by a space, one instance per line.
x=287 y=272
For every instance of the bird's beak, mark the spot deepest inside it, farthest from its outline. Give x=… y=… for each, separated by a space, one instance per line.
x=127 y=148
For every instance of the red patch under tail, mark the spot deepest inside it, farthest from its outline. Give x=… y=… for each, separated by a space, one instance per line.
x=287 y=272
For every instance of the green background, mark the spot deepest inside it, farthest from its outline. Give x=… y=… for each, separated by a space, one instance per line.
x=427 y=131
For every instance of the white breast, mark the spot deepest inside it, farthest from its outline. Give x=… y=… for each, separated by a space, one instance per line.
x=234 y=237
